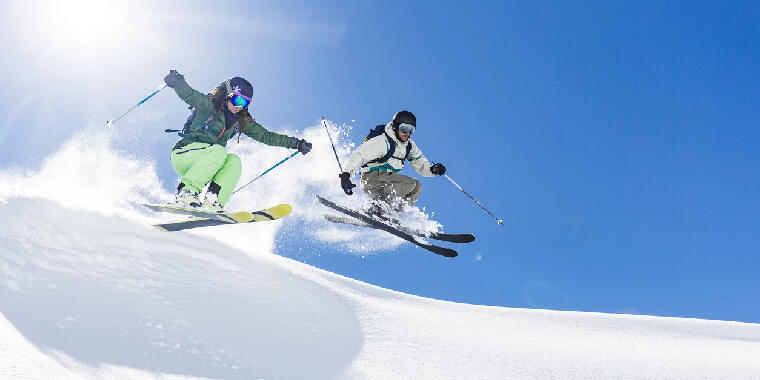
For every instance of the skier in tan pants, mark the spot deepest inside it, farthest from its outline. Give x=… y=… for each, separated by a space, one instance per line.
x=380 y=158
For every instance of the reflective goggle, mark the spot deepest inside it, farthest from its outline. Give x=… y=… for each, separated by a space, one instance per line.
x=236 y=97
x=239 y=100
x=406 y=128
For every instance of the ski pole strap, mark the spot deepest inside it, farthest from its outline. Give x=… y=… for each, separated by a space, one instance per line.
x=266 y=171
x=111 y=122
x=473 y=199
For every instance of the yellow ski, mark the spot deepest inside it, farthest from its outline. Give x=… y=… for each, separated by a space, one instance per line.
x=210 y=218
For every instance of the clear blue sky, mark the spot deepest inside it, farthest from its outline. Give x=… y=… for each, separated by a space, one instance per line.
x=617 y=140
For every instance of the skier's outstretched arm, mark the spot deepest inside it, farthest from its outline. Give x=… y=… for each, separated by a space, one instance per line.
x=189 y=95
x=418 y=161
x=257 y=132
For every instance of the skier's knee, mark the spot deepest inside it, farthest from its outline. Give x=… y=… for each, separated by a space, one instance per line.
x=412 y=196
x=232 y=160
x=417 y=189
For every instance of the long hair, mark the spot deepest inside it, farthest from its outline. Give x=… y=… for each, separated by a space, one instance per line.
x=218 y=96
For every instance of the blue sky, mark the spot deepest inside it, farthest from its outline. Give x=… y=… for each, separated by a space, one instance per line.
x=616 y=140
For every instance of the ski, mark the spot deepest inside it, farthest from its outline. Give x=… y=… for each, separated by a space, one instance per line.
x=210 y=218
x=447 y=252
x=451 y=238
x=188 y=224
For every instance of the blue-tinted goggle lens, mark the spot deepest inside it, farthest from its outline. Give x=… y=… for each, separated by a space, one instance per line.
x=406 y=128
x=239 y=101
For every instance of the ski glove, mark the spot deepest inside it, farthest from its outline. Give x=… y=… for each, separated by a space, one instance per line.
x=173 y=79
x=303 y=146
x=345 y=183
x=438 y=169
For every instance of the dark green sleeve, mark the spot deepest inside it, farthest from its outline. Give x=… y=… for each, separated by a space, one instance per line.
x=255 y=131
x=194 y=98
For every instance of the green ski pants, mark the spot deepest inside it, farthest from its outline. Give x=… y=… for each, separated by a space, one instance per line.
x=200 y=163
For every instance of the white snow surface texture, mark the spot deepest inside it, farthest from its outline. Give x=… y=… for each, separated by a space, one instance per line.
x=94 y=292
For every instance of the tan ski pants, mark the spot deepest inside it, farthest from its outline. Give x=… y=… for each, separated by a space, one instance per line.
x=385 y=186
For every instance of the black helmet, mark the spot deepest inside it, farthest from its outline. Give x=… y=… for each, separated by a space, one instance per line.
x=241 y=85
x=404 y=117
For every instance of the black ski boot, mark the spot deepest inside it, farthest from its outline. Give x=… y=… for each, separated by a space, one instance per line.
x=186 y=197
x=211 y=203
x=378 y=212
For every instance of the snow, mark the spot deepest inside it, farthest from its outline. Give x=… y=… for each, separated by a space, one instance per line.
x=91 y=291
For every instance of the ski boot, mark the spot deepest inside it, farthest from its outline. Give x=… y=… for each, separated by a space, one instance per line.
x=378 y=212
x=186 y=197
x=211 y=203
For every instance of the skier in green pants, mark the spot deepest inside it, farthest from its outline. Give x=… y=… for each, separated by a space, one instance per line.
x=200 y=157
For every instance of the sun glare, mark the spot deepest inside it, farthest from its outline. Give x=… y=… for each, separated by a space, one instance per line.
x=84 y=22
x=78 y=26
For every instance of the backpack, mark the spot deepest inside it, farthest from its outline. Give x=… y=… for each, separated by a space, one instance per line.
x=380 y=130
x=185 y=131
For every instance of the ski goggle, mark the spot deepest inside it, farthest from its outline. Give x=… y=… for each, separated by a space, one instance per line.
x=239 y=100
x=406 y=128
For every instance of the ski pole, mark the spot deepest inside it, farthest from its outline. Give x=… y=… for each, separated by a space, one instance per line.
x=110 y=122
x=266 y=171
x=474 y=200
x=347 y=191
x=333 y=145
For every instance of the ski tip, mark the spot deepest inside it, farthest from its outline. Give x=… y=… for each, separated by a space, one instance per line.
x=453 y=238
x=280 y=210
x=446 y=252
x=272 y=213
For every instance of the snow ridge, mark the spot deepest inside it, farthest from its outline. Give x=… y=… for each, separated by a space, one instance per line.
x=91 y=291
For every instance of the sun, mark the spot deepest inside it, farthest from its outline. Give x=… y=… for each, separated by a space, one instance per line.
x=76 y=27
x=83 y=22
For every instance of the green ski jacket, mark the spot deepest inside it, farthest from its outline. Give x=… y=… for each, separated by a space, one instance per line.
x=216 y=131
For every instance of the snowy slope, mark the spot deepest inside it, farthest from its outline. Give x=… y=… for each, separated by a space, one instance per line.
x=91 y=296
x=88 y=290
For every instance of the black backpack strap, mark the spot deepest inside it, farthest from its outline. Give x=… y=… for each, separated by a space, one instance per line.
x=391 y=149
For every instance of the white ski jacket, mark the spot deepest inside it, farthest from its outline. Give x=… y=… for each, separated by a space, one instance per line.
x=378 y=146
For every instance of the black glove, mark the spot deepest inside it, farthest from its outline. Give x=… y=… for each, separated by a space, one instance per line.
x=345 y=183
x=438 y=169
x=173 y=79
x=303 y=146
